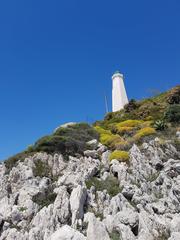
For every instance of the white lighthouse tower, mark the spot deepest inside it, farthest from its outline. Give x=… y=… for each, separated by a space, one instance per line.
x=119 y=96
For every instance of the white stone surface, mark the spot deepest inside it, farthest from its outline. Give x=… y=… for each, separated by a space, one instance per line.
x=96 y=229
x=67 y=233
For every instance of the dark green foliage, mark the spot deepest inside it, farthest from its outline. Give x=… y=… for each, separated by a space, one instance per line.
x=115 y=235
x=160 y=125
x=173 y=113
x=22 y=209
x=51 y=144
x=110 y=184
x=132 y=105
x=44 y=199
x=41 y=169
x=67 y=141
x=163 y=236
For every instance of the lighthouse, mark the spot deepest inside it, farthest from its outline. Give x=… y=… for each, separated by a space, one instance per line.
x=119 y=96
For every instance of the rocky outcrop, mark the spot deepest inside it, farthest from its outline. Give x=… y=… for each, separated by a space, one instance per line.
x=96 y=229
x=67 y=233
x=77 y=201
x=71 y=199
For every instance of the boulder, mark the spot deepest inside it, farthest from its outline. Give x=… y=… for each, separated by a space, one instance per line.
x=174 y=236
x=96 y=229
x=93 y=144
x=67 y=233
x=77 y=201
x=91 y=153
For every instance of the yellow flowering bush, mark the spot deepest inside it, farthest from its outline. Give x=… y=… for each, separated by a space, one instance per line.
x=119 y=155
x=147 y=124
x=122 y=145
x=144 y=132
x=101 y=130
x=123 y=130
x=129 y=123
x=107 y=138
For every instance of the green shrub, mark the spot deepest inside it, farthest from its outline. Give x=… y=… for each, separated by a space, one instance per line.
x=68 y=141
x=41 y=169
x=160 y=125
x=173 y=113
x=122 y=156
x=22 y=209
x=111 y=184
x=44 y=199
x=81 y=131
x=115 y=235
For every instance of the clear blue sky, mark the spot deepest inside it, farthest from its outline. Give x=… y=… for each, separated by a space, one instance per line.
x=57 y=58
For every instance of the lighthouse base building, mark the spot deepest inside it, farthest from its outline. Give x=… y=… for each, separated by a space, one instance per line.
x=119 y=96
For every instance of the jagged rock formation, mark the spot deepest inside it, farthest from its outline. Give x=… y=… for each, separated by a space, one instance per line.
x=88 y=197
x=117 y=180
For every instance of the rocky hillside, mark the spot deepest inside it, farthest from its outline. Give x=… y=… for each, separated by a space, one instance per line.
x=116 y=180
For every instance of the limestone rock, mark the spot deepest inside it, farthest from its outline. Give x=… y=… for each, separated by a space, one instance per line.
x=96 y=229
x=175 y=236
x=146 y=205
x=91 y=153
x=67 y=233
x=93 y=144
x=77 y=201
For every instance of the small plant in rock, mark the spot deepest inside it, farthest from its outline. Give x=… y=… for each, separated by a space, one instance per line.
x=41 y=169
x=22 y=209
x=160 y=125
x=111 y=184
x=115 y=235
x=152 y=177
x=96 y=213
x=44 y=200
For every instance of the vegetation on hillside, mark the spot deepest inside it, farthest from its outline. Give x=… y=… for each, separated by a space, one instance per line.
x=139 y=120
x=122 y=156
x=111 y=184
x=71 y=140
